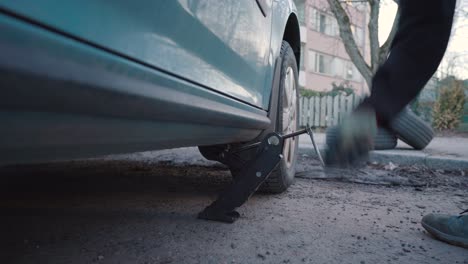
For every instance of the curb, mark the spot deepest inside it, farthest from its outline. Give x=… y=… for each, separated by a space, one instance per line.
x=405 y=157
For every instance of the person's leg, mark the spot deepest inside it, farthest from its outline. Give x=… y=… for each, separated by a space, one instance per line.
x=417 y=50
x=419 y=45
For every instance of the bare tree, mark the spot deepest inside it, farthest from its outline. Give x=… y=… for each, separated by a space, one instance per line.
x=455 y=60
x=453 y=64
x=378 y=53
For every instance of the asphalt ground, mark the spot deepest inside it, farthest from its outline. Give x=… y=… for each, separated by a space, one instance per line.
x=142 y=208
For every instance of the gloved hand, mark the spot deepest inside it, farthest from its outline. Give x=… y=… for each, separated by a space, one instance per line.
x=354 y=138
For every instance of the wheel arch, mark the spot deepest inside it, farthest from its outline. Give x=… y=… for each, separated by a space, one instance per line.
x=292 y=35
x=285 y=26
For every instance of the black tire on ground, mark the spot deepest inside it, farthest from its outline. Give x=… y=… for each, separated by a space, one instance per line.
x=384 y=139
x=211 y=152
x=283 y=176
x=412 y=130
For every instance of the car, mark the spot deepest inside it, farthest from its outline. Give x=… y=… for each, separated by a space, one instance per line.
x=86 y=78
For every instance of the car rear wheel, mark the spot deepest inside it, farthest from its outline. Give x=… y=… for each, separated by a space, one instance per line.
x=287 y=121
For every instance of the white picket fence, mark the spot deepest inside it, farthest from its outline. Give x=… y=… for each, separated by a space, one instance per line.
x=327 y=110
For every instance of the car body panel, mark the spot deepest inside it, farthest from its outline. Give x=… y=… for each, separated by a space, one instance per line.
x=221 y=44
x=48 y=74
x=63 y=96
x=281 y=10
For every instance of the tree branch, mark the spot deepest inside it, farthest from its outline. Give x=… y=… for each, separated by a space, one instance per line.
x=385 y=48
x=348 y=40
x=373 y=27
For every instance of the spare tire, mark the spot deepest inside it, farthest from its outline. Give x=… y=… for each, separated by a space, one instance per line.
x=412 y=130
x=384 y=139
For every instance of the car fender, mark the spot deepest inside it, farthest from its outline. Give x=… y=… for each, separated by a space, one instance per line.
x=282 y=11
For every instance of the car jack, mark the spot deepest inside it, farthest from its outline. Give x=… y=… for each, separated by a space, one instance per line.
x=256 y=171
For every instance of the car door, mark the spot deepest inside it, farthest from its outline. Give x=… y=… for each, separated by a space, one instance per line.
x=222 y=45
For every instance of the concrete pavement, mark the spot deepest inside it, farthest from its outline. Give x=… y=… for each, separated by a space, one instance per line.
x=441 y=153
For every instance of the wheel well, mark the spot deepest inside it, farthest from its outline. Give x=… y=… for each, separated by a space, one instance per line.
x=292 y=35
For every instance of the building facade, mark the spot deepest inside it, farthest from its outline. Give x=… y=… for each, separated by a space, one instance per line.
x=324 y=61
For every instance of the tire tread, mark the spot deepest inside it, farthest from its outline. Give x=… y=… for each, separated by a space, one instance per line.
x=412 y=130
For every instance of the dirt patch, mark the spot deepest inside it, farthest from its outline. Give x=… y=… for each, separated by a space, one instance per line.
x=385 y=174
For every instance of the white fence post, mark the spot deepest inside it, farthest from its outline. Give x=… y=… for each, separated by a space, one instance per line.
x=311 y=103
x=342 y=107
x=329 y=118
x=316 y=111
x=323 y=111
x=327 y=110
x=336 y=110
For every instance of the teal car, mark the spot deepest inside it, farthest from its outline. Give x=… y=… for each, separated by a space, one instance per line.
x=87 y=78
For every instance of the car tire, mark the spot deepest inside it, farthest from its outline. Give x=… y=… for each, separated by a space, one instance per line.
x=287 y=121
x=384 y=139
x=283 y=175
x=212 y=152
x=412 y=130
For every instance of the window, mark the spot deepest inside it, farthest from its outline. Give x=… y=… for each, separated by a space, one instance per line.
x=334 y=28
x=312 y=18
x=333 y=66
x=323 y=22
x=325 y=64
x=311 y=60
x=349 y=70
x=300 y=11
x=320 y=63
x=338 y=67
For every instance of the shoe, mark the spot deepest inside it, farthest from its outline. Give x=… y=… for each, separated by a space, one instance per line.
x=450 y=229
x=353 y=140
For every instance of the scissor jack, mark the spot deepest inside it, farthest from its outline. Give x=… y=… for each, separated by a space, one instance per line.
x=256 y=171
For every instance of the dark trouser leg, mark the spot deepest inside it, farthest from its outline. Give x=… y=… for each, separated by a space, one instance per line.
x=423 y=33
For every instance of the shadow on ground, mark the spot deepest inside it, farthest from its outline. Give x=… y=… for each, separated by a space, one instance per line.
x=86 y=209
x=104 y=176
